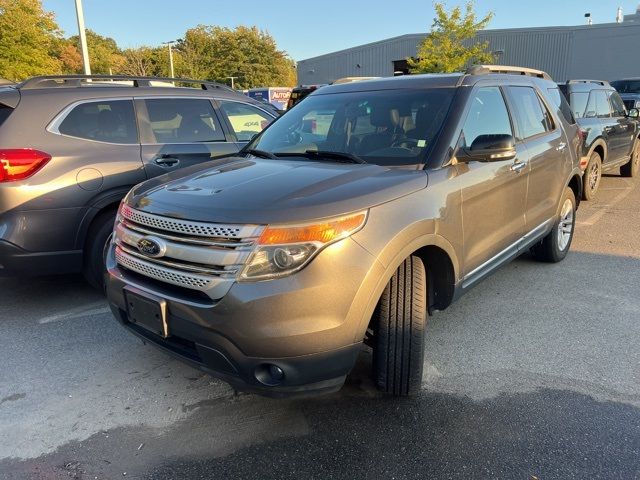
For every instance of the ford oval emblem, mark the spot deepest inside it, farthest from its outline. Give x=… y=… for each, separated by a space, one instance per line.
x=151 y=247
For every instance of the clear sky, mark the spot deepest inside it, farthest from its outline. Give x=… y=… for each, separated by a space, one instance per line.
x=308 y=28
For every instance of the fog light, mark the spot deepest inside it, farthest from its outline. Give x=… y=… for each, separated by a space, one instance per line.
x=269 y=374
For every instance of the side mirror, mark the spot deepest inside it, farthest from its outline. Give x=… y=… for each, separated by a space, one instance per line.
x=492 y=148
x=633 y=113
x=590 y=114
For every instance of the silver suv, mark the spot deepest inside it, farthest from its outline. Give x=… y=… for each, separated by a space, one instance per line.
x=72 y=146
x=347 y=221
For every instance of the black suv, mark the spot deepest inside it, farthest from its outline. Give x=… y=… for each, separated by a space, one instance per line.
x=610 y=132
x=72 y=146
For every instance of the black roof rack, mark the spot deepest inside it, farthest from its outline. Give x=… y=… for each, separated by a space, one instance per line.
x=48 y=81
x=604 y=83
x=506 y=69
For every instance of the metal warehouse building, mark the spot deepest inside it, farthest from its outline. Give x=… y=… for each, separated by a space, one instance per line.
x=603 y=51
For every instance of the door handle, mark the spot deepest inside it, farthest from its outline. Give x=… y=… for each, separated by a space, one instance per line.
x=518 y=166
x=561 y=146
x=167 y=160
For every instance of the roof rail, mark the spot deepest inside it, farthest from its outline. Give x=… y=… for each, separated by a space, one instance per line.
x=604 y=83
x=48 y=81
x=487 y=69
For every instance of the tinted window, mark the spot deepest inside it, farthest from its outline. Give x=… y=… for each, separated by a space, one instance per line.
x=532 y=117
x=390 y=127
x=627 y=86
x=487 y=115
x=183 y=120
x=602 y=107
x=617 y=104
x=110 y=121
x=560 y=101
x=245 y=120
x=4 y=113
x=579 y=101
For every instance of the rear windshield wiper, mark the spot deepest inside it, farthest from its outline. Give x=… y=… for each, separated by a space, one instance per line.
x=260 y=153
x=313 y=154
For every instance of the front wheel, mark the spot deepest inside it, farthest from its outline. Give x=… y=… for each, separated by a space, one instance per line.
x=555 y=246
x=632 y=167
x=399 y=330
x=591 y=177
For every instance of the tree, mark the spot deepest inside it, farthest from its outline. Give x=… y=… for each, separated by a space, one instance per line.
x=69 y=56
x=215 y=53
x=145 y=61
x=450 y=46
x=104 y=55
x=28 y=36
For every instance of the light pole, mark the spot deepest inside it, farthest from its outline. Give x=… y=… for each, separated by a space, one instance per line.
x=170 y=43
x=83 y=38
x=232 y=82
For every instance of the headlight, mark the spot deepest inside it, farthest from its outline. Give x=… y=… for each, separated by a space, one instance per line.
x=285 y=249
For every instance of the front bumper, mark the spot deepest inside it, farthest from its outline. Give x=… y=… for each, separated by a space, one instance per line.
x=306 y=324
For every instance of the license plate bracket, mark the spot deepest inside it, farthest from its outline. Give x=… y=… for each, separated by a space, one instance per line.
x=147 y=311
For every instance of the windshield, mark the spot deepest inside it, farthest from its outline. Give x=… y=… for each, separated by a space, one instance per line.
x=626 y=86
x=385 y=127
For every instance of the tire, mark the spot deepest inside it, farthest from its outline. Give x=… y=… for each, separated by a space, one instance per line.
x=399 y=330
x=591 y=177
x=554 y=247
x=95 y=249
x=631 y=168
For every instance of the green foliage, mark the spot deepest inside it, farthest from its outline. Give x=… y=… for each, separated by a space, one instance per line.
x=450 y=46
x=28 y=38
x=31 y=44
x=215 y=53
x=104 y=55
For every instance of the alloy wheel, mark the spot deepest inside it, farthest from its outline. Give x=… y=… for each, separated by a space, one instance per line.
x=565 y=225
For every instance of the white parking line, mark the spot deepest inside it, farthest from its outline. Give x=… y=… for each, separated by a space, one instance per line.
x=97 y=308
x=603 y=208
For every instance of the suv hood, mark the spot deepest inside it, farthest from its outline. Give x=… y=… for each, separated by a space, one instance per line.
x=252 y=190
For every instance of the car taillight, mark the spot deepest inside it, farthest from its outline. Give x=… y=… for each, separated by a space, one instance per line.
x=21 y=163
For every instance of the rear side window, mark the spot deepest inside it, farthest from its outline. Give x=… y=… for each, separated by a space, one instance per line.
x=598 y=105
x=4 y=113
x=183 y=120
x=560 y=101
x=488 y=115
x=110 y=121
x=579 y=101
x=531 y=115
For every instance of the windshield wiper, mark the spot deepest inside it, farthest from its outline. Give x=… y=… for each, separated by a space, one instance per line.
x=260 y=153
x=339 y=156
x=350 y=157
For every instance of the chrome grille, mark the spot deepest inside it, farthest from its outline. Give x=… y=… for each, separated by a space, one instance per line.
x=194 y=255
x=175 y=277
x=188 y=227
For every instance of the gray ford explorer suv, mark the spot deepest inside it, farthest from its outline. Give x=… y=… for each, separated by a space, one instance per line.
x=72 y=146
x=348 y=220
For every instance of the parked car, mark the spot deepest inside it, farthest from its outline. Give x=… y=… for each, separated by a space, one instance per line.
x=72 y=146
x=300 y=93
x=610 y=132
x=270 y=269
x=629 y=90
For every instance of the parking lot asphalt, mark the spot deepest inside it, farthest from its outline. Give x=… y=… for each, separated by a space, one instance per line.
x=535 y=374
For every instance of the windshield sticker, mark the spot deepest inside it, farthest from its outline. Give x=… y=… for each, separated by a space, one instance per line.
x=422 y=143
